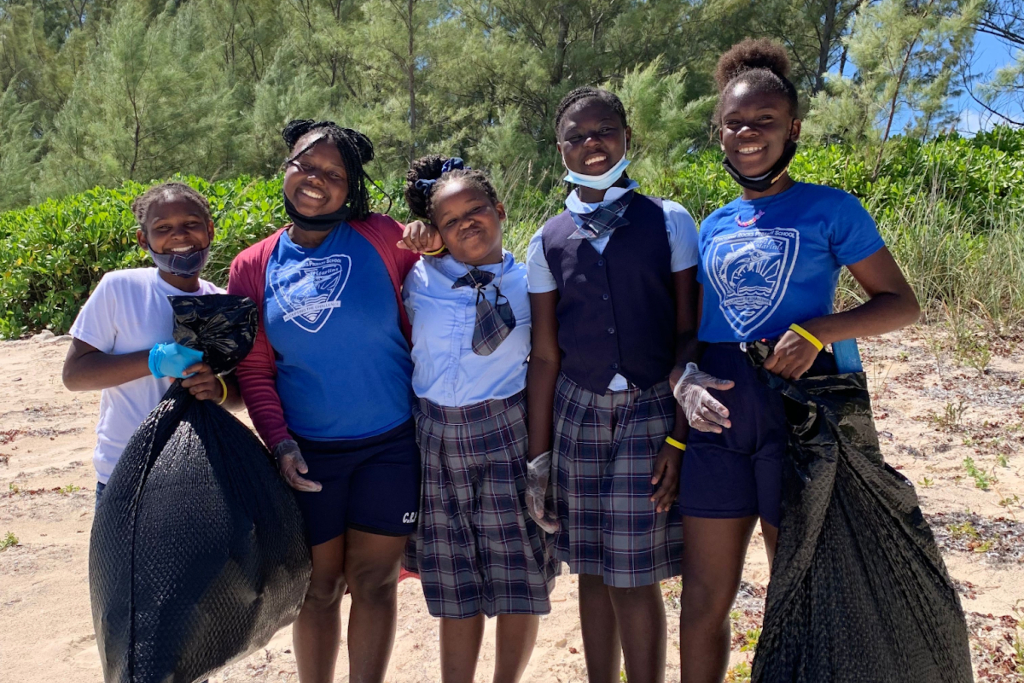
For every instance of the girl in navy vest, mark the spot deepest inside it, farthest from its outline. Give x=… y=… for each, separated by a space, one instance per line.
x=769 y=263
x=478 y=552
x=613 y=293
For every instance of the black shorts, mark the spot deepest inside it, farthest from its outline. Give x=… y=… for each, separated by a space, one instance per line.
x=370 y=484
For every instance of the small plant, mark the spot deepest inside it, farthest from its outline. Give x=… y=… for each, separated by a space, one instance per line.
x=1010 y=501
x=13 y=488
x=8 y=541
x=738 y=674
x=750 y=639
x=952 y=416
x=69 y=489
x=622 y=676
x=902 y=356
x=963 y=530
x=926 y=482
x=1003 y=460
x=981 y=480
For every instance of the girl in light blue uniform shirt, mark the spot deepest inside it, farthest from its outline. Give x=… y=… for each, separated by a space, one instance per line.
x=478 y=551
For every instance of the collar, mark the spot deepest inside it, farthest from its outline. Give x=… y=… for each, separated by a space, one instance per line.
x=573 y=203
x=453 y=269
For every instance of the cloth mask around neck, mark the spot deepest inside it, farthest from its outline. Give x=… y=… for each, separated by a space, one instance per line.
x=182 y=265
x=597 y=182
x=763 y=182
x=321 y=223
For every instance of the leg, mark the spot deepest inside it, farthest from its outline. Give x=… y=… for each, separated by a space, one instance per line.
x=460 y=648
x=371 y=570
x=600 y=632
x=640 y=614
x=712 y=566
x=317 y=630
x=771 y=541
x=517 y=634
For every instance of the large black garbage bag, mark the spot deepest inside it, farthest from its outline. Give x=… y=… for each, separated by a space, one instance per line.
x=198 y=553
x=859 y=591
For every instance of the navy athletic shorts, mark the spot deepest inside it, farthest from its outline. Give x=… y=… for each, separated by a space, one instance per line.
x=738 y=473
x=370 y=484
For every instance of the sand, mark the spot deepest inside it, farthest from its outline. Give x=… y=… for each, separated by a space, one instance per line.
x=931 y=413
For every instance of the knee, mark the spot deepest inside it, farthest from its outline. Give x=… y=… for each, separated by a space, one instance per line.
x=373 y=582
x=325 y=592
x=705 y=602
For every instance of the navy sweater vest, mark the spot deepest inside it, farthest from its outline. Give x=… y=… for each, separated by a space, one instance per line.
x=616 y=311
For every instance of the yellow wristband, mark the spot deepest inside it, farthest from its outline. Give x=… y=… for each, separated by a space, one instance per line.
x=435 y=253
x=675 y=443
x=225 y=387
x=808 y=336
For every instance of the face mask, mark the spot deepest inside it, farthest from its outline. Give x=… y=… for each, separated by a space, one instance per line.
x=321 y=223
x=764 y=182
x=182 y=265
x=597 y=182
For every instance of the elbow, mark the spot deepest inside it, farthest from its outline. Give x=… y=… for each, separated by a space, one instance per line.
x=912 y=309
x=70 y=378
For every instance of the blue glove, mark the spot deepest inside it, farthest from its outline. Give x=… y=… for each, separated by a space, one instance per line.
x=170 y=360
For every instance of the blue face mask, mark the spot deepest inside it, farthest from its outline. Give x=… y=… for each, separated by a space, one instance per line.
x=182 y=265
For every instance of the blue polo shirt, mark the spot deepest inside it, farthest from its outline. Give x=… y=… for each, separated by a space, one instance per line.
x=768 y=263
x=343 y=366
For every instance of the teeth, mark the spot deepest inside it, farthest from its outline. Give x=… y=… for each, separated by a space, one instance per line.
x=749 y=150
x=594 y=160
x=181 y=250
x=312 y=193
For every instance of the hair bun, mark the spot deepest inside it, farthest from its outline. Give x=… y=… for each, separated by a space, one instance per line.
x=362 y=143
x=429 y=167
x=749 y=54
x=295 y=129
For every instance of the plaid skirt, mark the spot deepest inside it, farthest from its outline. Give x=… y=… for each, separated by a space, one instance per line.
x=604 y=452
x=477 y=549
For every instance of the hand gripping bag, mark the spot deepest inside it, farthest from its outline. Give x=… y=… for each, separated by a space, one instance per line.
x=198 y=552
x=859 y=591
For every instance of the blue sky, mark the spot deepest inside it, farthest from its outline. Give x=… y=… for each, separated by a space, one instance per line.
x=990 y=54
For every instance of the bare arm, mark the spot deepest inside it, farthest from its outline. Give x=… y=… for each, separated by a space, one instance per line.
x=86 y=368
x=891 y=305
x=542 y=372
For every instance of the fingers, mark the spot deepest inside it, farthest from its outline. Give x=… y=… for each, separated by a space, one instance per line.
x=403 y=246
x=666 y=494
x=548 y=523
x=722 y=384
x=290 y=465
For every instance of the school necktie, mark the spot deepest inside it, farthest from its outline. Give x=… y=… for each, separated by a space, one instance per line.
x=602 y=220
x=494 y=322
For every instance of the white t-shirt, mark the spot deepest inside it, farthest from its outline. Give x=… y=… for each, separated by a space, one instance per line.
x=128 y=312
x=682 y=243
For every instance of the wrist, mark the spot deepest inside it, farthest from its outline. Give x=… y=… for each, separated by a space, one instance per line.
x=810 y=333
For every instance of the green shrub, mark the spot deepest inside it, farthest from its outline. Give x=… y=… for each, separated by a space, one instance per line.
x=949 y=209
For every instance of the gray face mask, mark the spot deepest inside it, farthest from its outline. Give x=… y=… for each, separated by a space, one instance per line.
x=182 y=265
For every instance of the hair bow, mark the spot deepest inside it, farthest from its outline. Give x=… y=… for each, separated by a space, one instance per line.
x=426 y=186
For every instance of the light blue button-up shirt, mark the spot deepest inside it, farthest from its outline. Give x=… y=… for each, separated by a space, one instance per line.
x=445 y=368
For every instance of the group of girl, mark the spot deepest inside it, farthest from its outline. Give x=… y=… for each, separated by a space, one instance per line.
x=621 y=338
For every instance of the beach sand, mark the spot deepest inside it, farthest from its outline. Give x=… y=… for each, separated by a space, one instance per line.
x=932 y=415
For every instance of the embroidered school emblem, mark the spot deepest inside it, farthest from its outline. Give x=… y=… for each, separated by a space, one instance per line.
x=750 y=271
x=308 y=291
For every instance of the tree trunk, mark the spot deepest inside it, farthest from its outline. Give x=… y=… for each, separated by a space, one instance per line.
x=825 y=46
x=558 y=68
x=411 y=66
x=892 y=104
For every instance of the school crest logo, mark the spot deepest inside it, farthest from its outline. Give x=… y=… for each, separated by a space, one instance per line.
x=308 y=292
x=750 y=271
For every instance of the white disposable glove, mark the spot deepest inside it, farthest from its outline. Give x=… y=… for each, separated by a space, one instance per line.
x=538 y=474
x=291 y=463
x=702 y=410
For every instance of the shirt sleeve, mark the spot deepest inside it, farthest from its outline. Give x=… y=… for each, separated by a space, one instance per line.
x=854 y=233
x=682 y=236
x=95 y=324
x=538 y=275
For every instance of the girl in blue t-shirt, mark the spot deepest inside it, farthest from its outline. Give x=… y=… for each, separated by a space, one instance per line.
x=769 y=263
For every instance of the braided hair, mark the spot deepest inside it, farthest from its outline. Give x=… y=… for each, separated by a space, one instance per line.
x=354 y=147
x=421 y=200
x=168 y=191
x=762 y=65
x=585 y=94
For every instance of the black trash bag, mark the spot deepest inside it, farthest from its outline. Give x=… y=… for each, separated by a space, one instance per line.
x=198 y=552
x=858 y=591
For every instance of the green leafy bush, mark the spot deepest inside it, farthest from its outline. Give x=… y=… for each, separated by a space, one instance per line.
x=949 y=209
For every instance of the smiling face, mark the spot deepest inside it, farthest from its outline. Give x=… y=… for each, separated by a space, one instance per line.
x=469 y=223
x=175 y=225
x=755 y=128
x=591 y=138
x=316 y=181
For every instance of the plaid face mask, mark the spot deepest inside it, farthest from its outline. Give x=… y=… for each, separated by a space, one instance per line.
x=494 y=322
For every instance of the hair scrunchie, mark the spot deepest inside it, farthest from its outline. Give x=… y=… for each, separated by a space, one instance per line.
x=426 y=186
